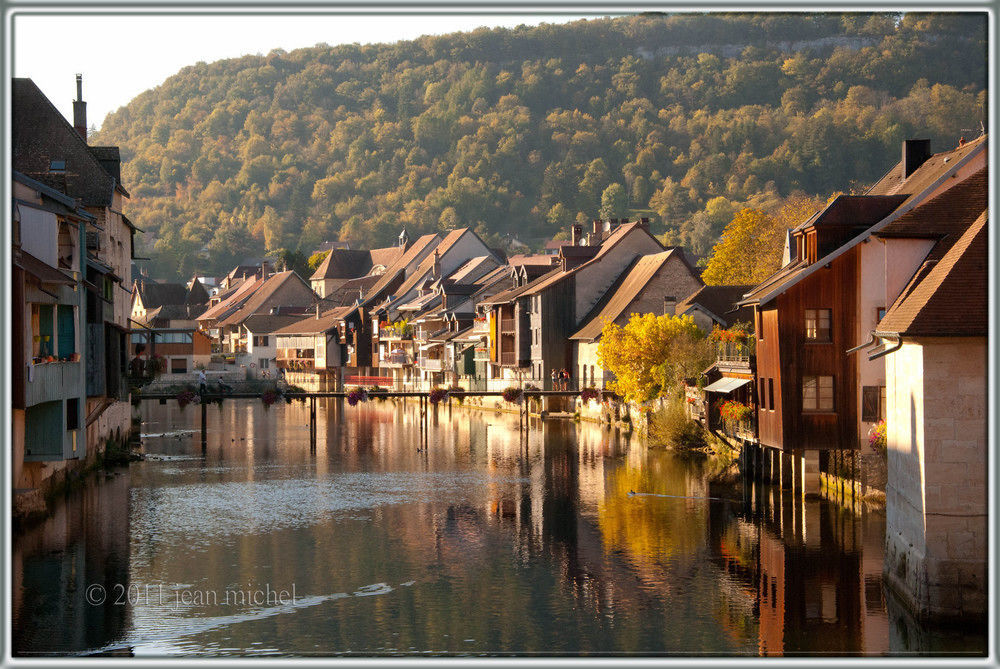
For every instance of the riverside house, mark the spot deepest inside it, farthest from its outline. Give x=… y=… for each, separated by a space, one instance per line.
x=163 y=324
x=932 y=341
x=648 y=285
x=827 y=300
x=48 y=386
x=46 y=148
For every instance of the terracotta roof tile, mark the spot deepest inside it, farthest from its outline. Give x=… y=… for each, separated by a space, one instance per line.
x=950 y=298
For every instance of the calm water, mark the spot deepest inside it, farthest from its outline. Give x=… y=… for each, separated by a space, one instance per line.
x=478 y=544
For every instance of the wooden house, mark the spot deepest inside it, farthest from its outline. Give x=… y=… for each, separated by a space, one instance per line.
x=813 y=310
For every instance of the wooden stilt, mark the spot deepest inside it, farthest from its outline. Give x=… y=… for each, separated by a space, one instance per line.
x=204 y=425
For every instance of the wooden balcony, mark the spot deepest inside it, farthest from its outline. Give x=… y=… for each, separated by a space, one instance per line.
x=431 y=364
x=296 y=364
x=508 y=325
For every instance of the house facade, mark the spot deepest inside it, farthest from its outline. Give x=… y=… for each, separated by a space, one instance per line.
x=46 y=148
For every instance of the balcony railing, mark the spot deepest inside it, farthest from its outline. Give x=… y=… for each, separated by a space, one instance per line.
x=394 y=333
x=396 y=359
x=507 y=325
x=508 y=358
x=731 y=351
x=296 y=364
x=480 y=326
x=482 y=354
x=432 y=364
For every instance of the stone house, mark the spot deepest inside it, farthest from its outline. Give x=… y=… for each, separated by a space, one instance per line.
x=934 y=346
x=647 y=286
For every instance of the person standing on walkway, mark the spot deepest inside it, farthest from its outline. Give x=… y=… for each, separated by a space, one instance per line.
x=564 y=378
x=202 y=382
x=555 y=379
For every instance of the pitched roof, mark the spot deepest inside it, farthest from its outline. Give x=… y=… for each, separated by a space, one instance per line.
x=951 y=297
x=267 y=323
x=629 y=285
x=40 y=134
x=473 y=267
x=385 y=256
x=427 y=264
x=155 y=294
x=925 y=175
x=392 y=271
x=936 y=170
x=951 y=212
x=719 y=301
x=232 y=300
x=511 y=294
x=263 y=297
x=312 y=325
x=343 y=264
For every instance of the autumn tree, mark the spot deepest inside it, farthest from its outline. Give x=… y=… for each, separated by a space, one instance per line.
x=749 y=251
x=650 y=355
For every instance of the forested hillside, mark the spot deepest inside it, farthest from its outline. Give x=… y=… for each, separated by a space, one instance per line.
x=525 y=130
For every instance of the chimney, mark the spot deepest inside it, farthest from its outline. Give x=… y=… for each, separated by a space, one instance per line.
x=437 y=264
x=265 y=269
x=915 y=153
x=80 y=109
x=317 y=309
x=644 y=223
x=576 y=233
x=669 y=305
x=597 y=226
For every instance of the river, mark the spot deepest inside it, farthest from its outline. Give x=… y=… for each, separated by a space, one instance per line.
x=573 y=541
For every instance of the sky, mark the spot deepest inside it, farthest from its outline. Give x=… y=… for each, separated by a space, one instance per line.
x=138 y=52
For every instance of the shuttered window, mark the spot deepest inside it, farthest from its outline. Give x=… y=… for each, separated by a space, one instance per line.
x=817 y=323
x=870 y=400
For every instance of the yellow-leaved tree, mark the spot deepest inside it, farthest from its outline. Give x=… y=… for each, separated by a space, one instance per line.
x=751 y=245
x=748 y=252
x=651 y=354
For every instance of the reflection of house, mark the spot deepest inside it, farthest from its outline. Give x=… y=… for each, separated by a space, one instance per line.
x=47 y=149
x=936 y=375
x=48 y=383
x=647 y=286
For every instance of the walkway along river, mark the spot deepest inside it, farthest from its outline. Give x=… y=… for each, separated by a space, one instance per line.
x=472 y=543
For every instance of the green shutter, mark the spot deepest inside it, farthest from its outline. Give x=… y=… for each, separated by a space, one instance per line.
x=67 y=330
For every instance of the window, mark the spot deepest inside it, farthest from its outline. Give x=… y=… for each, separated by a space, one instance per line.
x=770 y=394
x=264 y=363
x=178 y=365
x=881 y=403
x=818 y=324
x=260 y=340
x=174 y=337
x=817 y=393
x=138 y=338
x=762 y=394
x=57 y=166
x=879 y=313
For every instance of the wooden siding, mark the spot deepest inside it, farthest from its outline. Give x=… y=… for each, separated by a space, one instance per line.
x=786 y=356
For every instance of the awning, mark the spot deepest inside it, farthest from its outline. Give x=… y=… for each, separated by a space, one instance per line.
x=726 y=385
x=42 y=271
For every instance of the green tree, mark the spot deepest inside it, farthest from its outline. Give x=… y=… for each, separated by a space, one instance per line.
x=614 y=201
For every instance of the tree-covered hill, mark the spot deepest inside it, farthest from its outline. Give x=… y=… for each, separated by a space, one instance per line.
x=525 y=130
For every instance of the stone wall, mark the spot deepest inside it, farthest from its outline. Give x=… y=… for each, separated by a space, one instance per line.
x=936 y=496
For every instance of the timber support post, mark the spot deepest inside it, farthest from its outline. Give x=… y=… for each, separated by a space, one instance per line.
x=204 y=425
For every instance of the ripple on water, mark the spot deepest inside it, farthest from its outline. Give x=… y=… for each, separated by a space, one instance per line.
x=199 y=514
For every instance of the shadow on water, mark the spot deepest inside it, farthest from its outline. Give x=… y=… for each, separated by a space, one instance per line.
x=569 y=541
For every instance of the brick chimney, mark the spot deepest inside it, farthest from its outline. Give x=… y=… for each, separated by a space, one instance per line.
x=265 y=269
x=80 y=109
x=915 y=153
x=644 y=223
x=576 y=233
x=437 y=264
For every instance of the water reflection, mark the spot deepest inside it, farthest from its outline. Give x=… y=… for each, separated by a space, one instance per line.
x=485 y=541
